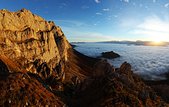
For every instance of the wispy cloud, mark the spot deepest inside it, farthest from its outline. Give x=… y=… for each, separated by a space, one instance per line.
x=85 y=7
x=155 y=23
x=106 y=9
x=71 y=23
x=115 y=16
x=76 y=35
x=62 y=5
x=154 y=1
x=98 y=13
x=153 y=28
x=128 y=22
x=79 y=31
x=97 y=1
x=127 y=1
x=166 y=5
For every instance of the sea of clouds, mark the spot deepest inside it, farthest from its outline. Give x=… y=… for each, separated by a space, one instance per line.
x=150 y=62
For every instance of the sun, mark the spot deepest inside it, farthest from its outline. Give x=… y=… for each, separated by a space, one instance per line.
x=157 y=41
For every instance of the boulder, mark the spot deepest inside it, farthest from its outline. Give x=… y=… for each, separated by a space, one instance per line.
x=110 y=55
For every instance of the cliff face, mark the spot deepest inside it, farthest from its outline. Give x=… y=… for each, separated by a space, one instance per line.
x=38 y=67
x=32 y=42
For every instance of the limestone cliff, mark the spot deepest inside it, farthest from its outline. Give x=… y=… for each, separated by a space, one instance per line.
x=30 y=41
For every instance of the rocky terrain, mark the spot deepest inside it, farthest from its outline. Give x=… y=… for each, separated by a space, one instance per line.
x=38 y=67
x=161 y=87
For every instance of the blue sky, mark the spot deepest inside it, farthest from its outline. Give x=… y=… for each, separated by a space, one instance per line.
x=102 y=20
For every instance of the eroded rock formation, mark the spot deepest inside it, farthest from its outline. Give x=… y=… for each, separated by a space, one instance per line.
x=28 y=43
x=32 y=42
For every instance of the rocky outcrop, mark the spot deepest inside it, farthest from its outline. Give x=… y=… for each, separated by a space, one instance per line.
x=161 y=87
x=110 y=87
x=32 y=42
x=29 y=44
x=24 y=90
x=38 y=67
x=110 y=55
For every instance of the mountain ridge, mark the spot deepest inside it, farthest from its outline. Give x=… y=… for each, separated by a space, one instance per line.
x=40 y=68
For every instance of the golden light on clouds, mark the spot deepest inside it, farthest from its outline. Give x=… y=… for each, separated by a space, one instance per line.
x=153 y=29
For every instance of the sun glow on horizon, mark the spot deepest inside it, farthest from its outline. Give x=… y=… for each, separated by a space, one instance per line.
x=157 y=42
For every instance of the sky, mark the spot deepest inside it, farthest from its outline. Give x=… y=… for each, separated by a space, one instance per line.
x=102 y=20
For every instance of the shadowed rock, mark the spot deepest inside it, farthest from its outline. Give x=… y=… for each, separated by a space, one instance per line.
x=4 y=72
x=110 y=55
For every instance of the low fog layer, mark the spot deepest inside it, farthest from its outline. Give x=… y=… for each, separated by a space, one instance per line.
x=151 y=62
